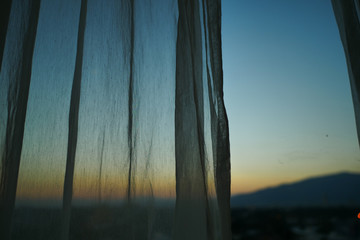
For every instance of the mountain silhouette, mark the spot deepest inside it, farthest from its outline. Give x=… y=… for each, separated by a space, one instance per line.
x=333 y=190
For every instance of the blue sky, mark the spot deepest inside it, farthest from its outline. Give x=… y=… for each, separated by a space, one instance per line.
x=287 y=93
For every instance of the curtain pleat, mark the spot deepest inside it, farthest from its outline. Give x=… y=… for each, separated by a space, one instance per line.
x=347 y=14
x=18 y=82
x=191 y=186
x=73 y=125
x=4 y=20
x=219 y=126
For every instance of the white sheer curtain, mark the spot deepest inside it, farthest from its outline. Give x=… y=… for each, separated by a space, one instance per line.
x=112 y=120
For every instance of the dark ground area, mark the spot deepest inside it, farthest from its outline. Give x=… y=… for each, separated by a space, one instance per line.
x=93 y=223
x=109 y=223
x=296 y=223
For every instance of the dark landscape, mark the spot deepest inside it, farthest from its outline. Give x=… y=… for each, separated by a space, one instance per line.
x=323 y=208
x=327 y=191
x=334 y=223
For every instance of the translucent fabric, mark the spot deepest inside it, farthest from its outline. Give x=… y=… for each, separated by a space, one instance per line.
x=347 y=15
x=112 y=120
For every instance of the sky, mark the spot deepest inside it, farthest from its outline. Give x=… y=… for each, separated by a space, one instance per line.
x=287 y=93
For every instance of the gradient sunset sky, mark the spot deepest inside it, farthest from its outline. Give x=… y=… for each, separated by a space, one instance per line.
x=287 y=93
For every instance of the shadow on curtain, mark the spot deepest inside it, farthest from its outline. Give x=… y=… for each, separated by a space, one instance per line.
x=112 y=120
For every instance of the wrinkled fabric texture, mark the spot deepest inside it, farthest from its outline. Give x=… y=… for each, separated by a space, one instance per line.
x=347 y=14
x=112 y=120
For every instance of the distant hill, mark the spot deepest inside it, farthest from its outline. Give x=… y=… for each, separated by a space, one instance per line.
x=333 y=190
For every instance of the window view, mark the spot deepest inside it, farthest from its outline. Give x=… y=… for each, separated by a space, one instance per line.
x=116 y=119
x=294 y=149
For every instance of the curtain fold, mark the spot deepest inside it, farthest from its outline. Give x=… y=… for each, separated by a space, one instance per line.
x=113 y=124
x=191 y=185
x=4 y=20
x=73 y=124
x=18 y=75
x=220 y=128
x=347 y=14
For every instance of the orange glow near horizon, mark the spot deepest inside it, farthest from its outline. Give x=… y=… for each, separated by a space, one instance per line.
x=45 y=187
x=246 y=183
x=32 y=187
